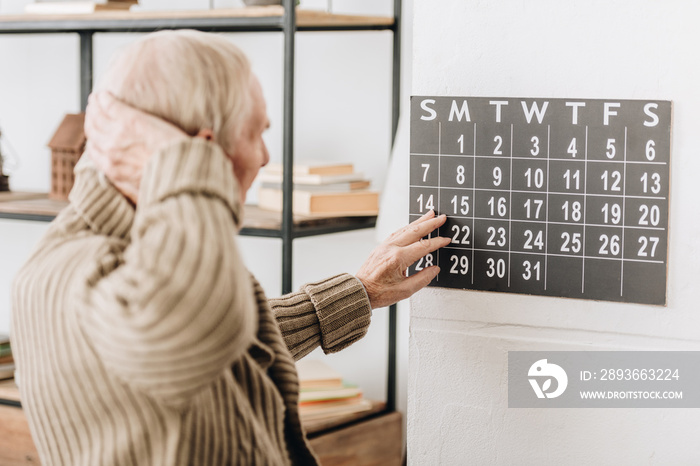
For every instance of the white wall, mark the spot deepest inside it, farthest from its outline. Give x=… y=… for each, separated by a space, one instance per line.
x=459 y=341
x=343 y=111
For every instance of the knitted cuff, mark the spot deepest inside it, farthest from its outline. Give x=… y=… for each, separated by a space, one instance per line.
x=191 y=166
x=343 y=310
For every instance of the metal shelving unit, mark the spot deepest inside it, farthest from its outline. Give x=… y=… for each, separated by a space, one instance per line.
x=285 y=19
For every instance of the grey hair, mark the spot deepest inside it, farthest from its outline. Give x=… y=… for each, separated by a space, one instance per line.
x=192 y=79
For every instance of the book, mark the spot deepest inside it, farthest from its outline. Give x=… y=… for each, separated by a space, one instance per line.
x=7 y=371
x=5 y=349
x=313 y=179
x=355 y=203
x=9 y=390
x=76 y=7
x=324 y=395
x=343 y=187
x=314 y=373
x=309 y=396
x=313 y=168
x=332 y=409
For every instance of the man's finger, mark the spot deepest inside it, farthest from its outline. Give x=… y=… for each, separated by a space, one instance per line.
x=418 y=281
x=430 y=214
x=113 y=109
x=420 y=248
x=413 y=233
x=97 y=121
x=427 y=216
x=108 y=103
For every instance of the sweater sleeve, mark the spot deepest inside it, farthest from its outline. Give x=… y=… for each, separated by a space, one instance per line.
x=333 y=313
x=178 y=307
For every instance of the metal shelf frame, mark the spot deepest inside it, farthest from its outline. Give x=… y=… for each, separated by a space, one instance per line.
x=286 y=24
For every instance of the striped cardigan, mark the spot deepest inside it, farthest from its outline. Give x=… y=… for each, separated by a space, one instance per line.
x=141 y=339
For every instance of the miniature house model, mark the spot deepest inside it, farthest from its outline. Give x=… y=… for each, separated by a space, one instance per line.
x=67 y=146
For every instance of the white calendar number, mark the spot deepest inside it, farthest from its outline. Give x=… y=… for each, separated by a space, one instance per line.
x=461 y=144
x=463 y=206
x=460 y=265
x=529 y=269
x=424 y=262
x=429 y=204
x=612 y=213
x=499 y=142
x=655 y=183
x=498 y=206
x=610 y=245
x=572 y=242
x=537 y=177
x=461 y=178
x=572 y=178
x=651 y=150
x=649 y=215
x=535 y=145
x=458 y=232
x=536 y=205
x=610 y=149
x=497 y=176
x=501 y=236
x=645 y=242
x=496 y=268
x=572 y=210
x=614 y=182
x=572 y=148
x=533 y=240
x=425 y=167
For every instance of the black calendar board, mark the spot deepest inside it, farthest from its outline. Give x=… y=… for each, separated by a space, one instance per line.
x=553 y=197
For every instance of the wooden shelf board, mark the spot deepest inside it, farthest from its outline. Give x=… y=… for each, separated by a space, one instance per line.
x=257 y=222
x=305 y=18
x=256 y=218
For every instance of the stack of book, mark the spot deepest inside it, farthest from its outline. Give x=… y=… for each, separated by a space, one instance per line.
x=324 y=394
x=7 y=363
x=320 y=189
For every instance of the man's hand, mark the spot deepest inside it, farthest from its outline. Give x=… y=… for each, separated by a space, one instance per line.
x=384 y=273
x=121 y=139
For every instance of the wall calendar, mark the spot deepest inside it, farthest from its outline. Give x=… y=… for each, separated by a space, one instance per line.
x=553 y=197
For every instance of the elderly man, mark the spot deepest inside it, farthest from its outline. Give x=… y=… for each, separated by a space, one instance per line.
x=140 y=337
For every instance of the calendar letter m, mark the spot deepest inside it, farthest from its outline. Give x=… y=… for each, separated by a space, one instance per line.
x=462 y=112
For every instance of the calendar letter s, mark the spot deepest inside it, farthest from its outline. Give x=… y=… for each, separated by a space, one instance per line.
x=654 y=117
x=432 y=114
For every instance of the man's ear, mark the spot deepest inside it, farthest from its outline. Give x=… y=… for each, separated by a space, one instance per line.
x=205 y=134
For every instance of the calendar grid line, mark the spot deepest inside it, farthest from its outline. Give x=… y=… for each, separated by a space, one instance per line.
x=555 y=159
x=624 y=191
x=554 y=193
x=550 y=254
x=437 y=278
x=474 y=201
x=585 y=225
x=546 y=214
x=585 y=197
x=510 y=202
